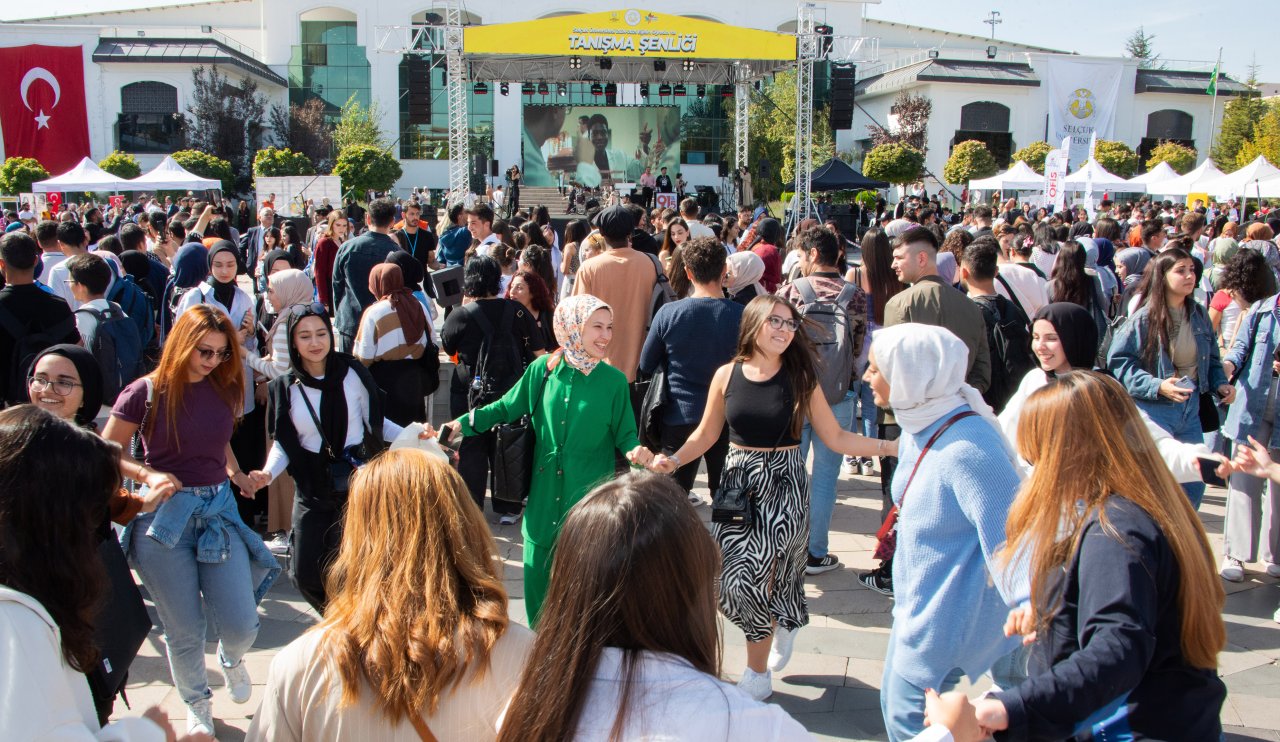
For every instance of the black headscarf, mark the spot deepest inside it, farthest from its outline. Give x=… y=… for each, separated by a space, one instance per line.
x=272 y=256
x=138 y=265
x=90 y=379
x=1076 y=330
x=333 y=398
x=410 y=268
x=225 y=293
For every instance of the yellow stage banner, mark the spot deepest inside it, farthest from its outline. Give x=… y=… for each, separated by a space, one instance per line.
x=629 y=33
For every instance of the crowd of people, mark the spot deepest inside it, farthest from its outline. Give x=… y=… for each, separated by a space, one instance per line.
x=1042 y=395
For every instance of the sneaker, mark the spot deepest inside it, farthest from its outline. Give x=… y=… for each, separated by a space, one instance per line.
x=1232 y=570
x=818 y=565
x=510 y=519
x=868 y=467
x=238 y=684
x=1273 y=570
x=1276 y=617
x=695 y=499
x=850 y=466
x=279 y=543
x=200 y=717
x=780 y=652
x=758 y=685
x=878 y=579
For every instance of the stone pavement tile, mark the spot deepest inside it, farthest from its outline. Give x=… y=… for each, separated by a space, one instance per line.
x=1252 y=602
x=864 y=674
x=1259 y=682
x=857 y=699
x=1243 y=734
x=803 y=697
x=845 y=725
x=1257 y=710
x=1229 y=715
x=813 y=669
x=842 y=642
x=1235 y=658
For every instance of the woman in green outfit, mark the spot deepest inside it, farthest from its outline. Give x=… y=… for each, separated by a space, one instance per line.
x=581 y=418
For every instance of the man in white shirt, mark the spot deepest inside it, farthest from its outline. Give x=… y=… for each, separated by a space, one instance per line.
x=72 y=241
x=480 y=225
x=689 y=211
x=1018 y=283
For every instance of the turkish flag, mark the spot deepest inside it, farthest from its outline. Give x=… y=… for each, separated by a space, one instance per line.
x=42 y=105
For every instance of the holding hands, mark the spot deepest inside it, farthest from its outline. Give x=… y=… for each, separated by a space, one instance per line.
x=160 y=487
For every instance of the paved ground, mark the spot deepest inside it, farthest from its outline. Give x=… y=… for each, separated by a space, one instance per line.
x=832 y=683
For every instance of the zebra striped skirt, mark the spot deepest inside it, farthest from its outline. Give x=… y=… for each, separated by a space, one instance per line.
x=762 y=577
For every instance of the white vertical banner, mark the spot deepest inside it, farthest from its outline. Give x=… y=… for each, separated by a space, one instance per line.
x=1055 y=173
x=1082 y=95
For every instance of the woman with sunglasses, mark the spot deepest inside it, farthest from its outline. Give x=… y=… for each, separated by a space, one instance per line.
x=326 y=418
x=194 y=550
x=766 y=395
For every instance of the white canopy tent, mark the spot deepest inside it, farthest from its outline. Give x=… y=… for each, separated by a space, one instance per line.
x=169 y=175
x=1258 y=179
x=1020 y=177
x=1103 y=180
x=1158 y=174
x=1189 y=183
x=86 y=176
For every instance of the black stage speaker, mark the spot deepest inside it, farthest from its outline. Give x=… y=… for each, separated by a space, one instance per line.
x=708 y=200
x=842 y=96
x=724 y=168
x=415 y=80
x=493 y=168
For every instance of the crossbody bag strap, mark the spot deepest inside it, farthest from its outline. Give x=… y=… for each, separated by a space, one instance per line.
x=1013 y=296
x=420 y=726
x=932 y=440
x=315 y=419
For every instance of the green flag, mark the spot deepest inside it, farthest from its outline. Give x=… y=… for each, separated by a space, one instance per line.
x=1213 y=82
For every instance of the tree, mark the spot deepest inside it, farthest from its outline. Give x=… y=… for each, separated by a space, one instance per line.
x=121 y=165
x=911 y=113
x=226 y=120
x=1138 y=46
x=1265 y=140
x=1179 y=156
x=969 y=160
x=1033 y=154
x=364 y=168
x=18 y=173
x=894 y=162
x=1241 y=114
x=271 y=162
x=358 y=125
x=1116 y=158
x=772 y=130
x=305 y=129
x=207 y=166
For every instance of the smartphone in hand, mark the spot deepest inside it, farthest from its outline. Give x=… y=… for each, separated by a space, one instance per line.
x=1209 y=471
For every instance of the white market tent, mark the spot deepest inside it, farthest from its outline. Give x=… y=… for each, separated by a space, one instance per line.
x=1102 y=180
x=169 y=175
x=1158 y=174
x=1189 y=183
x=86 y=176
x=1020 y=177
x=1257 y=179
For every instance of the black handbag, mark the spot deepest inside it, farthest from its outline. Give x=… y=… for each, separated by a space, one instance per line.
x=342 y=465
x=514 y=453
x=1209 y=419
x=735 y=505
x=652 y=408
x=120 y=629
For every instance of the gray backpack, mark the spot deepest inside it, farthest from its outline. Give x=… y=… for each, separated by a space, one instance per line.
x=832 y=331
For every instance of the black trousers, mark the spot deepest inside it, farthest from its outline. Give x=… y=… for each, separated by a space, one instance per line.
x=475 y=460
x=888 y=465
x=249 y=444
x=674 y=436
x=314 y=541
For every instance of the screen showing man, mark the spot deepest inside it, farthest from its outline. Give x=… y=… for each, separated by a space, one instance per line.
x=594 y=146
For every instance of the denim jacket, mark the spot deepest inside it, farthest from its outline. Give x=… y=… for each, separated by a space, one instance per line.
x=1126 y=363
x=216 y=522
x=1244 y=416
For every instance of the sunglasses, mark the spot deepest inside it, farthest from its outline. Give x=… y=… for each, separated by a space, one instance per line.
x=779 y=323
x=221 y=355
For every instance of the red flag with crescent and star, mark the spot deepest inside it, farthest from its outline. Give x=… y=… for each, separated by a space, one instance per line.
x=42 y=106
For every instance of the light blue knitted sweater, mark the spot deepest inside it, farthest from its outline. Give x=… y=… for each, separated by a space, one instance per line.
x=948 y=611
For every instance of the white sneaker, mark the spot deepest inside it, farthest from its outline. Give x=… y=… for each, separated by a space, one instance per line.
x=510 y=519
x=1276 y=617
x=780 y=653
x=1273 y=570
x=1232 y=570
x=850 y=466
x=694 y=499
x=200 y=717
x=758 y=685
x=238 y=683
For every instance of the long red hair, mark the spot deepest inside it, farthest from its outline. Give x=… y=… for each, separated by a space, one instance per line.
x=171 y=377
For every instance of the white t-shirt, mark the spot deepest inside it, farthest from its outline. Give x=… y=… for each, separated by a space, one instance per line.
x=698 y=229
x=1032 y=290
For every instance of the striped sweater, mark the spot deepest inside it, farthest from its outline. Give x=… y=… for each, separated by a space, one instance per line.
x=380 y=337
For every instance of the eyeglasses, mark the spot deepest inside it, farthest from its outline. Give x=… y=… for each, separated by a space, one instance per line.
x=61 y=387
x=221 y=355
x=779 y=323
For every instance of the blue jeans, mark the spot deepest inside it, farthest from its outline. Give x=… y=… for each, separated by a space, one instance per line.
x=176 y=582
x=1182 y=421
x=866 y=408
x=825 y=472
x=902 y=702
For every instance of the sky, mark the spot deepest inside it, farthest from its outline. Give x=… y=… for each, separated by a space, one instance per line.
x=1181 y=27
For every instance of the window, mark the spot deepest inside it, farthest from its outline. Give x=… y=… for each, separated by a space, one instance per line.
x=424 y=111
x=149 y=121
x=984 y=116
x=328 y=64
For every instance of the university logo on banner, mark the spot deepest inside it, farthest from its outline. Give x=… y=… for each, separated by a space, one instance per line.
x=1082 y=95
x=42 y=106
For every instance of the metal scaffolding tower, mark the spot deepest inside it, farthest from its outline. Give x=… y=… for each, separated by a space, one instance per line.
x=807 y=52
x=459 y=121
x=741 y=119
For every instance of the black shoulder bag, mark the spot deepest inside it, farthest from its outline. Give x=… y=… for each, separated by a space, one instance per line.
x=735 y=505
x=342 y=462
x=514 y=452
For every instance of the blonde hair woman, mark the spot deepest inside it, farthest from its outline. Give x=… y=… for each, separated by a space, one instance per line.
x=416 y=630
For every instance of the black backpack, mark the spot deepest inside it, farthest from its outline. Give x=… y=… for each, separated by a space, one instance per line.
x=27 y=344
x=500 y=362
x=118 y=348
x=1009 y=343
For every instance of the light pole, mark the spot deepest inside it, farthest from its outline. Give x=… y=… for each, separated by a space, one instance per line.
x=993 y=20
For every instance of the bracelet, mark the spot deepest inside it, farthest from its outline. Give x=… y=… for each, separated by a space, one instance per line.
x=673 y=457
x=880 y=446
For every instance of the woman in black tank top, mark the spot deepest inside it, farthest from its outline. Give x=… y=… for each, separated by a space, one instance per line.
x=766 y=395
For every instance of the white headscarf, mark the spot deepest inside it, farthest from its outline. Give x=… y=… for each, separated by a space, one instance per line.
x=925 y=367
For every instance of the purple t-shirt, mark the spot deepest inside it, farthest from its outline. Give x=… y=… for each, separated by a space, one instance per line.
x=197 y=455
